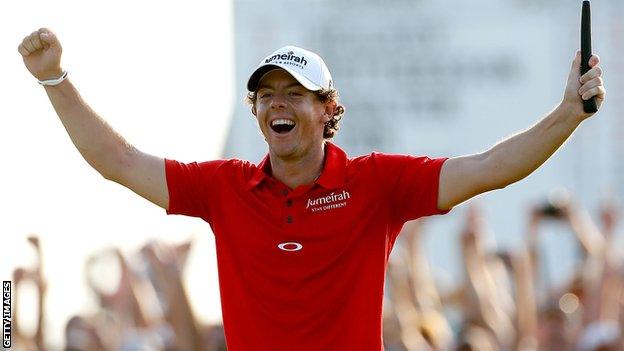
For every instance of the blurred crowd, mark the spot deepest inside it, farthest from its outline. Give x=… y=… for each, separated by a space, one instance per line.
x=147 y=309
x=503 y=302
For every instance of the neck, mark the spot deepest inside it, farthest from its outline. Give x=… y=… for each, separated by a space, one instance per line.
x=294 y=172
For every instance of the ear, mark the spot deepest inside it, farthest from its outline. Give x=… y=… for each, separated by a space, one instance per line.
x=330 y=108
x=253 y=109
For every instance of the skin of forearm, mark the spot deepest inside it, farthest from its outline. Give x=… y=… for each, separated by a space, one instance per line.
x=611 y=291
x=587 y=232
x=102 y=147
x=481 y=282
x=426 y=294
x=525 y=296
x=39 y=334
x=516 y=157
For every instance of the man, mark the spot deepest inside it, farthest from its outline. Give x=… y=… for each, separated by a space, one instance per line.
x=303 y=238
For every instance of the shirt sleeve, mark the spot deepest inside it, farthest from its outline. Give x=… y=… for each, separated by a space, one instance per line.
x=411 y=184
x=189 y=187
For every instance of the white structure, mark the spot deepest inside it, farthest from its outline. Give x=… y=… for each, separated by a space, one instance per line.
x=446 y=78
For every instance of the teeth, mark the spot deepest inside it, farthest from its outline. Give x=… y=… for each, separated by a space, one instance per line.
x=282 y=121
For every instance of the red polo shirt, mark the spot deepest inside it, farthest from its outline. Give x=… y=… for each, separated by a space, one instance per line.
x=304 y=269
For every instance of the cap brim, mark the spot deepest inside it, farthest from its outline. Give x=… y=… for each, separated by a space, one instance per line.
x=256 y=76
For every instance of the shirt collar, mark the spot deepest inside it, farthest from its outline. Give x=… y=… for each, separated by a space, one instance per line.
x=332 y=176
x=335 y=167
x=262 y=171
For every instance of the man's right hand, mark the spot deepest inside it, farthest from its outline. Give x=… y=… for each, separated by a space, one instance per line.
x=41 y=52
x=100 y=145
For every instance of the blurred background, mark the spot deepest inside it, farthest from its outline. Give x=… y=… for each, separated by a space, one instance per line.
x=436 y=78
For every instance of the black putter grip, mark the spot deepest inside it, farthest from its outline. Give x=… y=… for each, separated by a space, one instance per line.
x=589 y=106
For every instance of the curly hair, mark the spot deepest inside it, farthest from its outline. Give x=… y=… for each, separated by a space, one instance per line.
x=324 y=95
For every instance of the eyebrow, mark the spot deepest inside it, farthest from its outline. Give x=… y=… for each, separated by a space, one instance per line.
x=265 y=86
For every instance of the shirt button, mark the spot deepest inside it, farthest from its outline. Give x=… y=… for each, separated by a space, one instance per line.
x=289 y=219
x=288 y=202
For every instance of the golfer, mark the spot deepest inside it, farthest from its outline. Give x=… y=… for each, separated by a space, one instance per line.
x=303 y=238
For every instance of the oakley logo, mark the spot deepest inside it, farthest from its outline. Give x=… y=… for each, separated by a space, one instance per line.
x=290 y=246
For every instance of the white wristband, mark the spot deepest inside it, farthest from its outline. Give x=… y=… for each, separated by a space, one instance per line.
x=52 y=82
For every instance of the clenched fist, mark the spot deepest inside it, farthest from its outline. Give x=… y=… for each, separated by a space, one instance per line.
x=41 y=52
x=583 y=87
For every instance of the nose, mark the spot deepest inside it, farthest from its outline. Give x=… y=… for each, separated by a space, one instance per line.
x=278 y=101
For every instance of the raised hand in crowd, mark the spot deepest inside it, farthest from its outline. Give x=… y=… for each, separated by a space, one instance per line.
x=489 y=304
x=35 y=276
x=166 y=264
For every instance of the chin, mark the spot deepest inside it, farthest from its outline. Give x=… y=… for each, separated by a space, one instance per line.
x=285 y=151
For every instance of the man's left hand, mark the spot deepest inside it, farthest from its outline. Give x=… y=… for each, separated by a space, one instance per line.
x=583 y=87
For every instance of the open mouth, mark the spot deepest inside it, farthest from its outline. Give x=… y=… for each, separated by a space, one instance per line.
x=282 y=126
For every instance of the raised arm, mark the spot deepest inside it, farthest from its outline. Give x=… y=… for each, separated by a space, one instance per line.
x=103 y=148
x=507 y=162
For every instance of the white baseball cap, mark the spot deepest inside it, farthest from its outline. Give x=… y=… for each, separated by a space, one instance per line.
x=306 y=67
